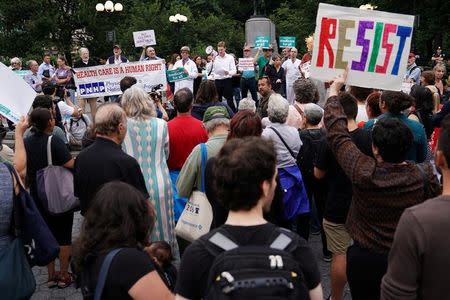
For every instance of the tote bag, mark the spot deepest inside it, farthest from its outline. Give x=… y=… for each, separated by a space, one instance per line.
x=40 y=245
x=55 y=187
x=196 y=218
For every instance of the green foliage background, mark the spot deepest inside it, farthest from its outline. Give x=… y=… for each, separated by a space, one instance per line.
x=29 y=28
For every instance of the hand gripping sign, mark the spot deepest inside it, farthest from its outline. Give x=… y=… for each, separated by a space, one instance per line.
x=373 y=45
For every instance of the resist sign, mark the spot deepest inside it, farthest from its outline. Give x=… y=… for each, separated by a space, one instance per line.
x=373 y=45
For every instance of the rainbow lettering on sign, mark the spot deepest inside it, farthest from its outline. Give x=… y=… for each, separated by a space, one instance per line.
x=334 y=28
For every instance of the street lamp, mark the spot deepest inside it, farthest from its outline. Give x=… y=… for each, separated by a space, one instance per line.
x=368 y=7
x=178 y=20
x=109 y=6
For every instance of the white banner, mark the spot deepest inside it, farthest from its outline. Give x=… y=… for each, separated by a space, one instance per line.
x=104 y=80
x=373 y=45
x=246 y=64
x=144 y=38
x=16 y=96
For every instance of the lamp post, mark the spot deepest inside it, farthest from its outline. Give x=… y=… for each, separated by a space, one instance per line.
x=109 y=6
x=178 y=20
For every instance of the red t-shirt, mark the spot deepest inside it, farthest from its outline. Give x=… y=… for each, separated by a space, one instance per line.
x=185 y=132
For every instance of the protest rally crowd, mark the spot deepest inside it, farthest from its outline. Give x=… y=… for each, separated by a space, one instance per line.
x=210 y=187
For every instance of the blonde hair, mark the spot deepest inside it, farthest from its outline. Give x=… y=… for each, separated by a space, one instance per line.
x=441 y=66
x=137 y=104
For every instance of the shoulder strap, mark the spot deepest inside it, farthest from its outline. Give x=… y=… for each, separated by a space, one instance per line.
x=287 y=147
x=49 y=150
x=204 y=157
x=222 y=241
x=412 y=69
x=300 y=111
x=281 y=242
x=16 y=227
x=104 y=273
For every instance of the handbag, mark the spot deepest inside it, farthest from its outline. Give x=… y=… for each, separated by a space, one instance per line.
x=295 y=198
x=196 y=218
x=16 y=278
x=55 y=187
x=40 y=245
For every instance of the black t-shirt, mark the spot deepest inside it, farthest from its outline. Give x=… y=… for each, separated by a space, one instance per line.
x=36 y=148
x=127 y=267
x=103 y=162
x=339 y=186
x=192 y=282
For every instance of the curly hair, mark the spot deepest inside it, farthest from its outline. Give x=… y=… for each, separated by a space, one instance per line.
x=119 y=216
x=206 y=93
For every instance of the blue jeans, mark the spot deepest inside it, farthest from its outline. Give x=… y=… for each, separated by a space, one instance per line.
x=249 y=84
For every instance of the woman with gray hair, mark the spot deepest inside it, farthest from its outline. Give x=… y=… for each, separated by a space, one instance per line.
x=287 y=143
x=305 y=92
x=147 y=140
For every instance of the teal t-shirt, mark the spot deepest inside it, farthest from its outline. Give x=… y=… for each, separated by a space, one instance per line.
x=262 y=62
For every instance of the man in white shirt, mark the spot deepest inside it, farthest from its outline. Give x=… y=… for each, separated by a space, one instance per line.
x=292 y=71
x=34 y=79
x=223 y=68
x=190 y=68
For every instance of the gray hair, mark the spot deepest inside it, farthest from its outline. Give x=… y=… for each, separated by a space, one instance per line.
x=247 y=104
x=16 y=60
x=305 y=90
x=30 y=62
x=108 y=118
x=278 y=109
x=211 y=125
x=82 y=49
x=313 y=113
x=138 y=104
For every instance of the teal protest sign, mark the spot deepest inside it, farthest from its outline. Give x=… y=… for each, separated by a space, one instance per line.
x=287 y=41
x=262 y=41
x=176 y=75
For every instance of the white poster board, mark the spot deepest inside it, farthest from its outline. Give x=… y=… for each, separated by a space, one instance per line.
x=144 y=38
x=373 y=45
x=246 y=64
x=104 y=80
x=16 y=96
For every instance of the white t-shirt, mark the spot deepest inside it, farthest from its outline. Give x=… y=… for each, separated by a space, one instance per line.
x=362 y=113
x=66 y=110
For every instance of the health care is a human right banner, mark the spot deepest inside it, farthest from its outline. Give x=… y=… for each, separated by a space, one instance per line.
x=373 y=46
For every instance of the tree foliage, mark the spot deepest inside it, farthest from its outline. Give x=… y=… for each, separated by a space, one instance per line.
x=29 y=28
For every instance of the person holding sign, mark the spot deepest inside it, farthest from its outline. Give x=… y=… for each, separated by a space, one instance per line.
x=292 y=70
x=148 y=53
x=248 y=82
x=262 y=61
x=84 y=62
x=190 y=69
x=117 y=58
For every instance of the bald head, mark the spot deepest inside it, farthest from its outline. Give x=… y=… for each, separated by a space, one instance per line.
x=108 y=118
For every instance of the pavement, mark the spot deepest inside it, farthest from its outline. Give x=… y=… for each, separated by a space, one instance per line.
x=70 y=293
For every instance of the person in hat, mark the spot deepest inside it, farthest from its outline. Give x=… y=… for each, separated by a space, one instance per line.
x=190 y=68
x=117 y=58
x=217 y=123
x=412 y=70
x=438 y=56
x=264 y=60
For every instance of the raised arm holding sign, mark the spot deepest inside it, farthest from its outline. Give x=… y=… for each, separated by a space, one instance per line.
x=373 y=45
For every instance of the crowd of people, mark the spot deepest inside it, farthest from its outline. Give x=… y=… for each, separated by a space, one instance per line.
x=289 y=156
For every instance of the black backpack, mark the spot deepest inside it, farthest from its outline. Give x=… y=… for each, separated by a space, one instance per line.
x=255 y=272
x=308 y=152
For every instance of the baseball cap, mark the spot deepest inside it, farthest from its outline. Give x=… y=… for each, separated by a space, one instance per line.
x=215 y=112
x=411 y=55
x=117 y=46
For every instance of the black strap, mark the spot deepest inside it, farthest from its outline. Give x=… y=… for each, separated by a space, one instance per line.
x=104 y=273
x=16 y=228
x=412 y=69
x=287 y=147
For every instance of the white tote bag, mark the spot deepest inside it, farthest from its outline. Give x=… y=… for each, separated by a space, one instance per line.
x=196 y=218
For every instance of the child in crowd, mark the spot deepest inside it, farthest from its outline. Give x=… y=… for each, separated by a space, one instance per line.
x=161 y=254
